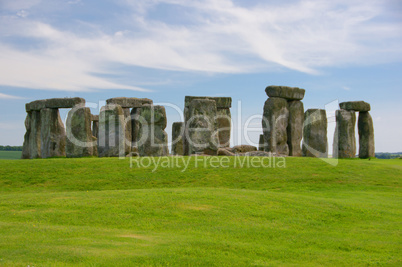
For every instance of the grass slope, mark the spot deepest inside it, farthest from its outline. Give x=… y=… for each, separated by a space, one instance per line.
x=10 y=154
x=101 y=212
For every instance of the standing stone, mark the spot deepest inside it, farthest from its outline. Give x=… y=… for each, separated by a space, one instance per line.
x=152 y=138
x=128 y=130
x=95 y=125
x=201 y=128
x=25 y=148
x=135 y=127
x=80 y=142
x=261 y=143
x=315 y=143
x=274 y=125
x=366 y=135
x=344 y=138
x=177 y=138
x=295 y=127
x=35 y=136
x=111 y=141
x=224 y=123
x=53 y=134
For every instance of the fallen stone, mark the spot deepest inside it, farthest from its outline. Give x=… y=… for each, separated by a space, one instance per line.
x=201 y=131
x=274 y=125
x=129 y=102
x=355 y=106
x=243 y=149
x=53 y=134
x=225 y=152
x=111 y=141
x=295 y=127
x=256 y=154
x=344 y=138
x=315 y=143
x=152 y=138
x=177 y=138
x=289 y=93
x=366 y=135
x=80 y=142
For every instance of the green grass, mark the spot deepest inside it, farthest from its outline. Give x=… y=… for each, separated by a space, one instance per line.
x=10 y=154
x=101 y=212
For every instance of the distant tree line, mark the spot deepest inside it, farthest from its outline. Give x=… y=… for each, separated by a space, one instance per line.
x=10 y=148
x=388 y=155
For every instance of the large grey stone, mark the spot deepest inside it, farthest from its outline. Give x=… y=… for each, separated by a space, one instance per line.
x=152 y=138
x=201 y=128
x=295 y=127
x=224 y=123
x=53 y=134
x=177 y=138
x=290 y=93
x=135 y=126
x=221 y=102
x=274 y=125
x=344 y=138
x=95 y=129
x=35 y=136
x=80 y=142
x=243 y=149
x=25 y=148
x=111 y=141
x=261 y=143
x=128 y=130
x=315 y=143
x=366 y=135
x=54 y=103
x=129 y=102
x=355 y=106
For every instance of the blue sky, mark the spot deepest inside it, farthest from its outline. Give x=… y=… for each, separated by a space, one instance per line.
x=166 y=49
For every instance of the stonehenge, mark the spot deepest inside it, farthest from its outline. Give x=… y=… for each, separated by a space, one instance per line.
x=315 y=143
x=344 y=145
x=283 y=118
x=128 y=126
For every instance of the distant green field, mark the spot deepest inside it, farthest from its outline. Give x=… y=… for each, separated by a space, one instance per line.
x=10 y=154
x=101 y=212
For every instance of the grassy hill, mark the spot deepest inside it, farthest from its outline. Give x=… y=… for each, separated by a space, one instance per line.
x=10 y=154
x=101 y=212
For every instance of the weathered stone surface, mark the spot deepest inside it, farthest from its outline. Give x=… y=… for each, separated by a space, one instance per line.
x=111 y=141
x=53 y=134
x=224 y=121
x=25 y=148
x=243 y=149
x=344 y=138
x=80 y=142
x=221 y=102
x=225 y=152
x=152 y=138
x=256 y=154
x=95 y=129
x=35 y=136
x=128 y=130
x=177 y=138
x=355 y=106
x=315 y=143
x=95 y=117
x=54 y=103
x=201 y=132
x=274 y=125
x=261 y=143
x=289 y=93
x=295 y=127
x=366 y=135
x=129 y=102
x=135 y=127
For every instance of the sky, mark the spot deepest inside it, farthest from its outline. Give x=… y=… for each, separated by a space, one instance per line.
x=337 y=51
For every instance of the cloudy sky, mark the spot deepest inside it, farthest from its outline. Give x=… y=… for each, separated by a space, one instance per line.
x=165 y=49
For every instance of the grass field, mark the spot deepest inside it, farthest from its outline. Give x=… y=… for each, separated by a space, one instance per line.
x=10 y=154
x=101 y=212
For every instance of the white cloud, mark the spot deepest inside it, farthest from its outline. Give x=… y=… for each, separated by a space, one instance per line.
x=215 y=36
x=5 y=96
